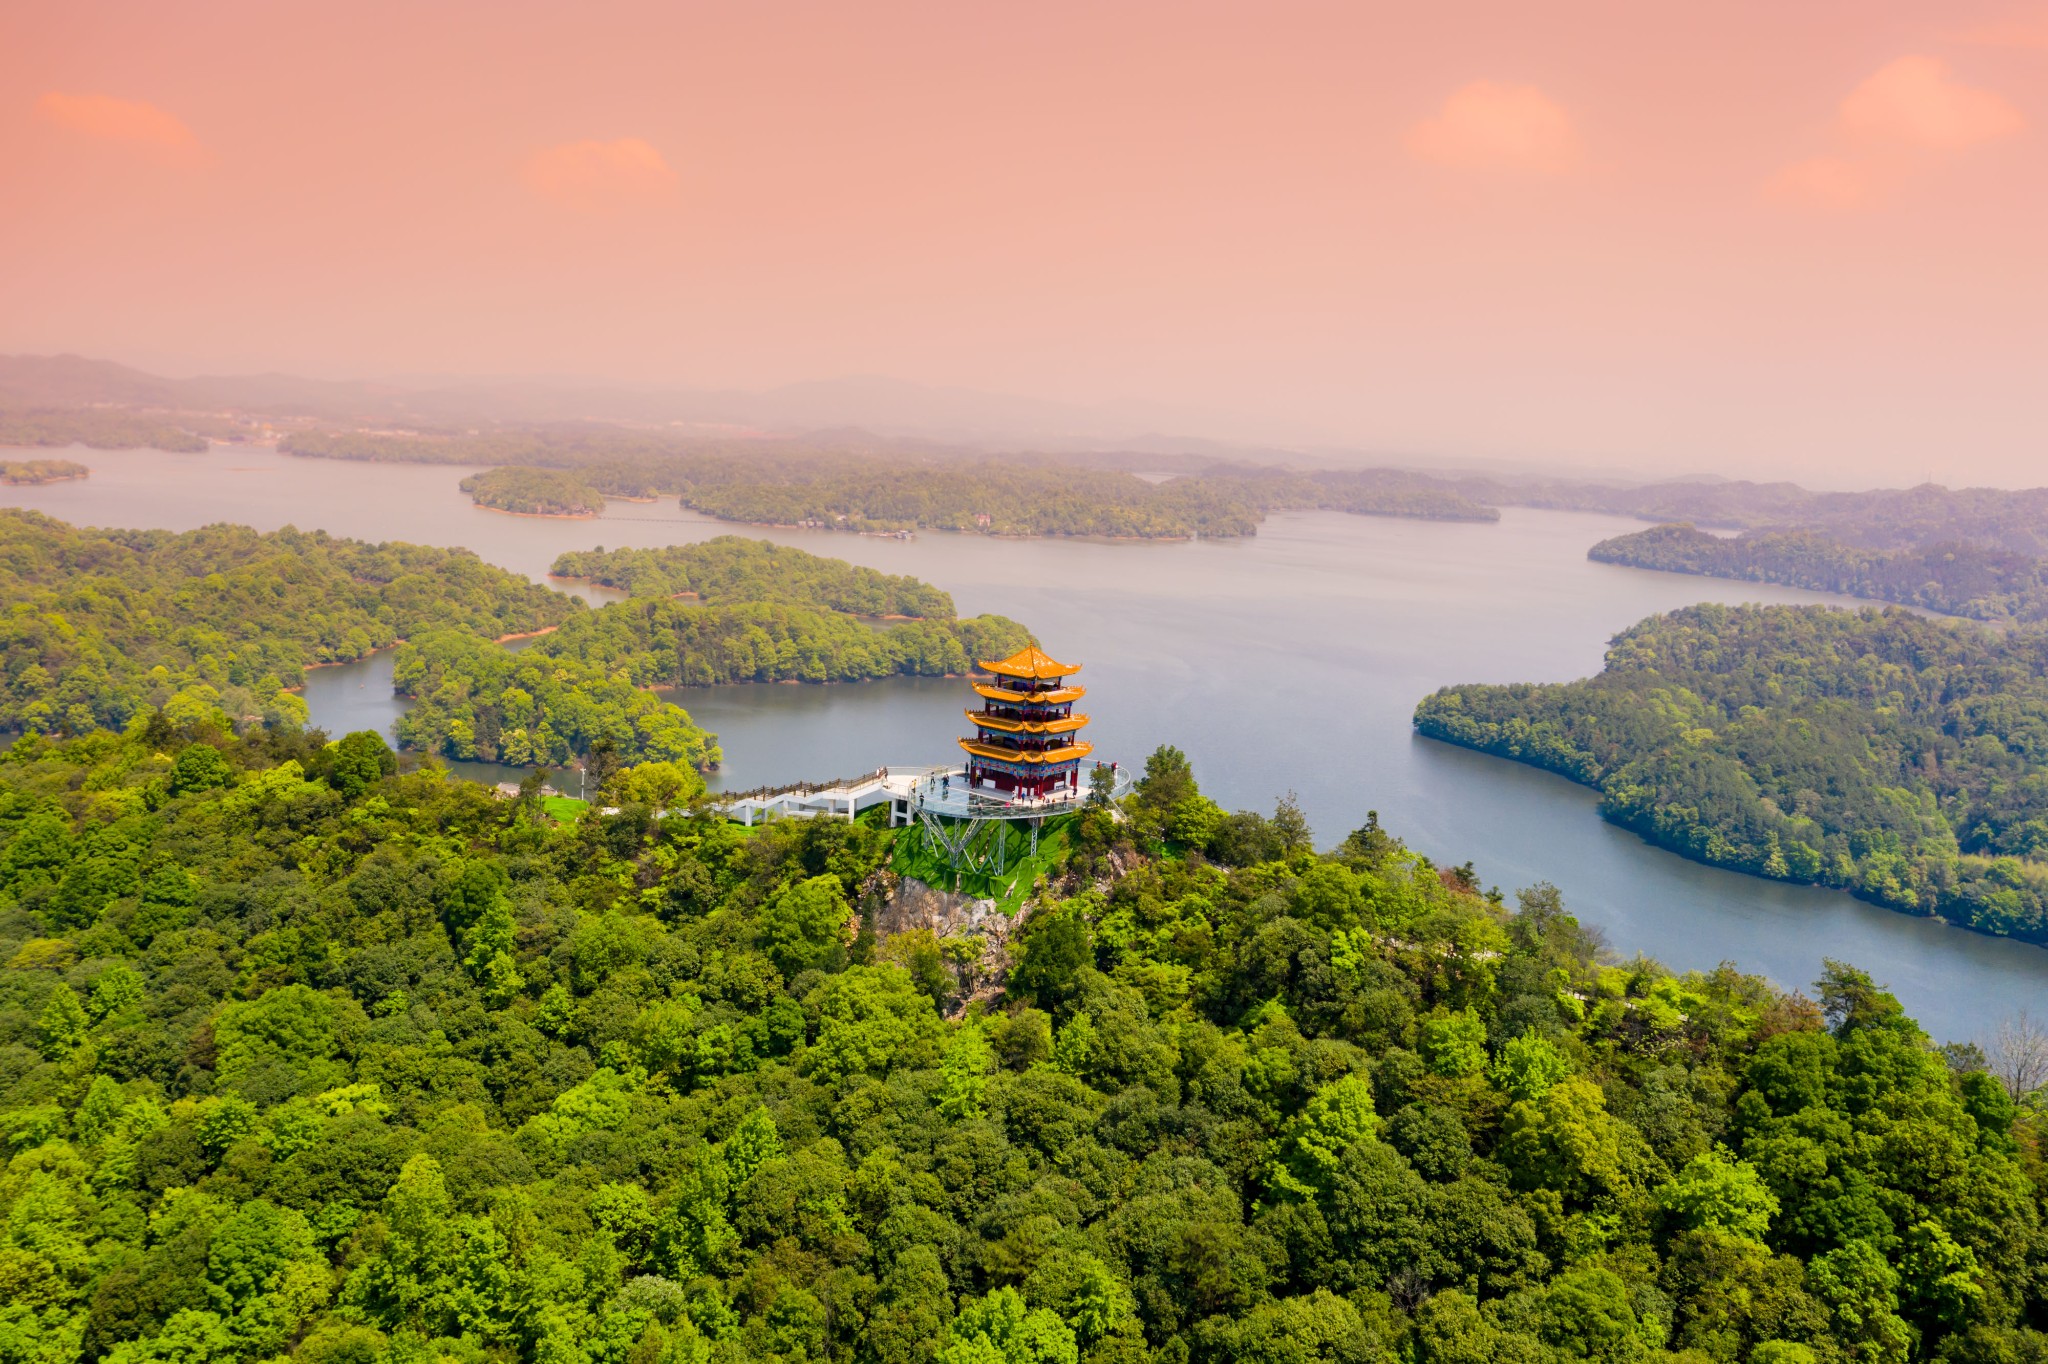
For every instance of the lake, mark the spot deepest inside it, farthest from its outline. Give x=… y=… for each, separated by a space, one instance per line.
x=1290 y=661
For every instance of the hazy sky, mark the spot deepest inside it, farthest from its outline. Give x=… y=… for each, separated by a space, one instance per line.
x=1751 y=236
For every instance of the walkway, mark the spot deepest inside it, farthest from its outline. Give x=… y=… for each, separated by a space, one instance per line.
x=908 y=791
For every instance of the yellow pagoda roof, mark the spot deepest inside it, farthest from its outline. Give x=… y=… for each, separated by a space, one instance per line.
x=1032 y=663
x=1065 y=724
x=1043 y=698
x=1050 y=755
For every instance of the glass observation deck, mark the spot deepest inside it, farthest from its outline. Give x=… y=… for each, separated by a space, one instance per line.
x=945 y=793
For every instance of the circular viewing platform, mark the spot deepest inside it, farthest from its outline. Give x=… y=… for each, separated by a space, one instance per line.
x=944 y=792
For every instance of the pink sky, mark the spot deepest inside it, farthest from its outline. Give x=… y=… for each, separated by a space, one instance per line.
x=1752 y=238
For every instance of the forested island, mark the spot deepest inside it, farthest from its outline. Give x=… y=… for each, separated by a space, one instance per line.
x=533 y=492
x=217 y=627
x=33 y=471
x=677 y=643
x=306 y=1056
x=1900 y=758
x=999 y=497
x=795 y=483
x=737 y=568
x=784 y=483
x=729 y=610
x=474 y=700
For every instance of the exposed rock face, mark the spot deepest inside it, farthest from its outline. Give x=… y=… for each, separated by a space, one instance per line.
x=893 y=904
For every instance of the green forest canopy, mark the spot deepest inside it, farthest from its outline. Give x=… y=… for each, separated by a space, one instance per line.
x=104 y=429
x=738 y=568
x=105 y=625
x=476 y=701
x=534 y=492
x=781 y=483
x=731 y=609
x=1980 y=581
x=216 y=625
x=1900 y=758
x=680 y=643
x=305 y=1059
x=19 y=471
x=587 y=682
x=787 y=482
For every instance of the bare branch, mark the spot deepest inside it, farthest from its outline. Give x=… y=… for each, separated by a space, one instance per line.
x=2019 y=1055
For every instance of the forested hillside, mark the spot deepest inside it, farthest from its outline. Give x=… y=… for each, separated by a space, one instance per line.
x=1900 y=758
x=1924 y=517
x=216 y=624
x=1003 y=497
x=738 y=568
x=789 y=483
x=304 y=1058
x=1957 y=579
x=110 y=430
x=678 y=643
x=728 y=610
x=473 y=700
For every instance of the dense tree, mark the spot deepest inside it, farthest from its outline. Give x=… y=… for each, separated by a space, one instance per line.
x=533 y=492
x=362 y=1065
x=30 y=471
x=101 y=428
x=212 y=627
x=1958 y=578
x=762 y=614
x=733 y=569
x=782 y=484
x=1899 y=758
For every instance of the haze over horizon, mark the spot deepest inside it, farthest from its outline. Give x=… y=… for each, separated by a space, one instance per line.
x=1762 y=241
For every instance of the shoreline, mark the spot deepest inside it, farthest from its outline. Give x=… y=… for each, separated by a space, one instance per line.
x=915 y=531
x=699 y=596
x=386 y=648
x=1647 y=837
x=537 y=516
x=828 y=682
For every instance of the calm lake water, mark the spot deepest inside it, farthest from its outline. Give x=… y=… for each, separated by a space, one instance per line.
x=1288 y=661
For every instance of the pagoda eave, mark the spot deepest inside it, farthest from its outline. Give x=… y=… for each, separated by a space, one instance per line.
x=1029 y=698
x=1065 y=724
x=1067 y=753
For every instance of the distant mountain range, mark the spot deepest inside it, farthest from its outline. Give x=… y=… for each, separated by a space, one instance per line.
x=867 y=404
x=854 y=412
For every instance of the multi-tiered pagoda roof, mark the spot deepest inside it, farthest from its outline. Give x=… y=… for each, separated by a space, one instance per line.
x=1026 y=735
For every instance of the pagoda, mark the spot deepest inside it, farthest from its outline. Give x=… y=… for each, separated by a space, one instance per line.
x=1026 y=740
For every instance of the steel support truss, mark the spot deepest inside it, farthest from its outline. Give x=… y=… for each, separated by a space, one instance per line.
x=980 y=846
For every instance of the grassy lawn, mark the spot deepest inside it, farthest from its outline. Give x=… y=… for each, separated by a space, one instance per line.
x=564 y=809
